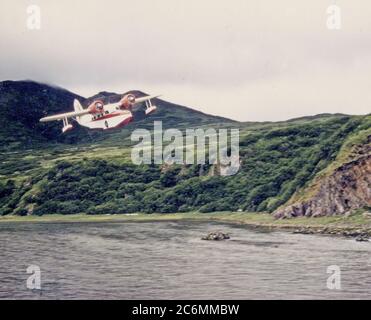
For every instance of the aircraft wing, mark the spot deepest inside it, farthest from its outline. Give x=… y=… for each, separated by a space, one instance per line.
x=143 y=99
x=64 y=115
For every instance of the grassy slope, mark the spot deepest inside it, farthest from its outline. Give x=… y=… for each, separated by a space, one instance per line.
x=277 y=159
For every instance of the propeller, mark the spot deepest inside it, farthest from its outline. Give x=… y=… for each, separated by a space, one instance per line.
x=96 y=107
x=127 y=101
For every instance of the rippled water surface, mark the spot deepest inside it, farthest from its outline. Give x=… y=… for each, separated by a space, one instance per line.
x=167 y=260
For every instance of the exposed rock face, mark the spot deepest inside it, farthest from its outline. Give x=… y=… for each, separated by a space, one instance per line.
x=345 y=189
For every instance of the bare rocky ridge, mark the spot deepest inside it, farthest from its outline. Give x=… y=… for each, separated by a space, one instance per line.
x=347 y=188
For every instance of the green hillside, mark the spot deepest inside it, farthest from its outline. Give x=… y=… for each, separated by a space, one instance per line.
x=23 y=103
x=43 y=172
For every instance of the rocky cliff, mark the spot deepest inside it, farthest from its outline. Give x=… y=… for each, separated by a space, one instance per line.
x=346 y=188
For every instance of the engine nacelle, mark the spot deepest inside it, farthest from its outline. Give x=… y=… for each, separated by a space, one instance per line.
x=127 y=101
x=96 y=107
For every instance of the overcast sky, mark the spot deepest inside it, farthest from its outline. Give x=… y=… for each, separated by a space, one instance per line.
x=247 y=60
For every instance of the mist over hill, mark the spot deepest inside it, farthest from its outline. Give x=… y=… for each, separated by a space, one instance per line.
x=286 y=167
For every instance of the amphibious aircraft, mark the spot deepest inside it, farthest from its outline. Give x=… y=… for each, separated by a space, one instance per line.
x=103 y=116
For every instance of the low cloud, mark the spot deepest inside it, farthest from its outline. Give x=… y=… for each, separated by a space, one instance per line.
x=239 y=59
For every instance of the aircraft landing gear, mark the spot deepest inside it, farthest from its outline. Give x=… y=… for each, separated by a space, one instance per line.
x=149 y=107
x=66 y=125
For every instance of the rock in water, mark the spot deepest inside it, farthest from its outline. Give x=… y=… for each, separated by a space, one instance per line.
x=362 y=237
x=216 y=236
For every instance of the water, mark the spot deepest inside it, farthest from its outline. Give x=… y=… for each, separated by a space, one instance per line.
x=167 y=260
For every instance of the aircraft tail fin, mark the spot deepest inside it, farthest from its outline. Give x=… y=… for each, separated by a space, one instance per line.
x=78 y=108
x=77 y=105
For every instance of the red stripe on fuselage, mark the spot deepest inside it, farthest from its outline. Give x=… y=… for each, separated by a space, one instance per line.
x=124 y=123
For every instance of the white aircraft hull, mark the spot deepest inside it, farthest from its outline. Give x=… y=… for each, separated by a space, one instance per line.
x=100 y=116
x=112 y=120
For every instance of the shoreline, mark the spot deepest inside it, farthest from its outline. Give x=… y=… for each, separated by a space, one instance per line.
x=351 y=226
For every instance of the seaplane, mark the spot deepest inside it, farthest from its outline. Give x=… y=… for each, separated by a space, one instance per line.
x=103 y=116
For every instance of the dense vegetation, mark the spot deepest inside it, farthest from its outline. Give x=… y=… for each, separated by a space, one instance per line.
x=276 y=161
x=42 y=172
